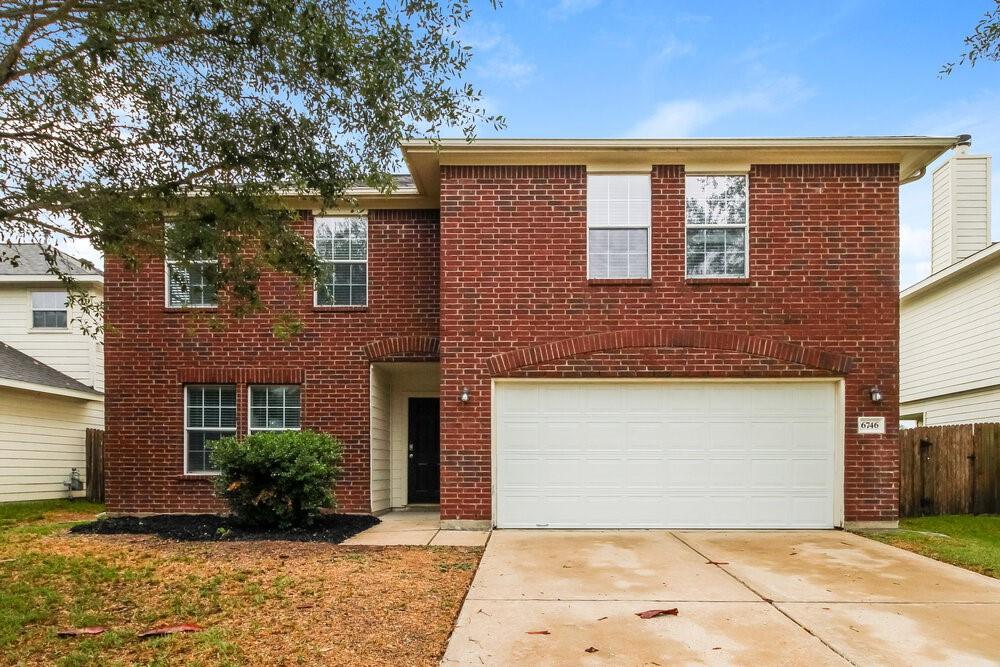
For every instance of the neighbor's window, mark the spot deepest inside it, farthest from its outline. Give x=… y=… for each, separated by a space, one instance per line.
x=618 y=215
x=48 y=310
x=716 y=219
x=342 y=247
x=274 y=408
x=210 y=414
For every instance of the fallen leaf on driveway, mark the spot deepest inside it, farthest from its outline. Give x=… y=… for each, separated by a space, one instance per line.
x=539 y=632
x=653 y=613
x=590 y=650
x=170 y=630
x=78 y=632
x=603 y=618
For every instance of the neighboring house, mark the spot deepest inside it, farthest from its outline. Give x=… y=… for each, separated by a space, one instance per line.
x=51 y=377
x=556 y=333
x=950 y=321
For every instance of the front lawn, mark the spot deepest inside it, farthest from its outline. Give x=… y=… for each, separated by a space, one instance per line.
x=972 y=542
x=260 y=603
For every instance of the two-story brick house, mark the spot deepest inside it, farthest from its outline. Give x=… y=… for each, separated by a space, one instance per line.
x=636 y=333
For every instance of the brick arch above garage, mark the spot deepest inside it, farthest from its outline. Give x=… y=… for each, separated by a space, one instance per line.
x=513 y=362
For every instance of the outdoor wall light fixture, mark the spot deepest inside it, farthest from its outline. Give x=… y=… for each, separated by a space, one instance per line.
x=464 y=396
x=876 y=394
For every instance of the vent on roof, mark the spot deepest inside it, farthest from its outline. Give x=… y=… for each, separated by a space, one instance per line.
x=960 y=208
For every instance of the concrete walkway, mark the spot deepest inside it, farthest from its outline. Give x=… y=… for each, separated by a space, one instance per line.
x=746 y=597
x=416 y=527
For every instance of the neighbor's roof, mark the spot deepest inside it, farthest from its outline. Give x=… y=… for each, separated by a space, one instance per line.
x=31 y=265
x=911 y=153
x=21 y=371
x=957 y=271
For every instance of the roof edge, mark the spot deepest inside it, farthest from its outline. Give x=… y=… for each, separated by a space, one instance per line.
x=38 y=388
x=991 y=251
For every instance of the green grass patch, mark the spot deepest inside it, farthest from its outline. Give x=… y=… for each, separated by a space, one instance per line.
x=12 y=514
x=972 y=542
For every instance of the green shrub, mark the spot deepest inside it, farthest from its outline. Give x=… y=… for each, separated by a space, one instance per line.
x=279 y=479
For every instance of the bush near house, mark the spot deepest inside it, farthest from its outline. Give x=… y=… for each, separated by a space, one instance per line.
x=278 y=479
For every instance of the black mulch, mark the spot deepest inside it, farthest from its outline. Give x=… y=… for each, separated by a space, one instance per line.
x=334 y=528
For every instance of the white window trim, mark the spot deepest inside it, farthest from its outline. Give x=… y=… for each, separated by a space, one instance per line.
x=251 y=429
x=31 y=315
x=648 y=227
x=744 y=226
x=167 y=263
x=368 y=253
x=202 y=473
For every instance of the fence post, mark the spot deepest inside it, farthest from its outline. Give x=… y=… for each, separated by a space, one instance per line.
x=95 y=465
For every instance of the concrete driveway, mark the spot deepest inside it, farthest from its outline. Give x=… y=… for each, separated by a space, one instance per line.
x=743 y=597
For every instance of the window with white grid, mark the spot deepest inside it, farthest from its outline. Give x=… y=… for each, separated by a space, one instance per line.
x=48 y=310
x=209 y=415
x=274 y=408
x=191 y=286
x=716 y=226
x=342 y=247
x=618 y=222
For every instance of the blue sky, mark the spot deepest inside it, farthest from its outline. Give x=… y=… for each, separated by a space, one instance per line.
x=616 y=68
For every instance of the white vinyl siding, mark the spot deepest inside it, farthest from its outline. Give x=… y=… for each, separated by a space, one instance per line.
x=48 y=309
x=69 y=350
x=380 y=453
x=209 y=415
x=618 y=225
x=948 y=335
x=274 y=408
x=671 y=454
x=960 y=213
x=716 y=214
x=342 y=248
x=42 y=438
x=964 y=408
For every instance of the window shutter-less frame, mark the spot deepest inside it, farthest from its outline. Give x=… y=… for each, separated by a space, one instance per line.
x=618 y=224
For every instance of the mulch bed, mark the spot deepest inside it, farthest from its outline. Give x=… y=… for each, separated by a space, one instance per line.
x=333 y=528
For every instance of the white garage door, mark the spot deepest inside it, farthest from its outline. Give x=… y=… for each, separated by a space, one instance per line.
x=608 y=454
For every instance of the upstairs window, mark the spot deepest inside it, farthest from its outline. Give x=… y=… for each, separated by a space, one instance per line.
x=618 y=220
x=209 y=415
x=716 y=226
x=48 y=310
x=274 y=408
x=342 y=248
x=192 y=286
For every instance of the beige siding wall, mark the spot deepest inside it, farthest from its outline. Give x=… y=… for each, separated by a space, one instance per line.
x=379 y=402
x=960 y=217
x=42 y=437
x=72 y=352
x=964 y=408
x=949 y=338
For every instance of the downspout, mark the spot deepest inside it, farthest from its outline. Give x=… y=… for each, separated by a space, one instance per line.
x=964 y=141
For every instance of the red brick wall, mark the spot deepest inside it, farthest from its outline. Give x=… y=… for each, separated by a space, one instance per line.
x=155 y=351
x=823 y=274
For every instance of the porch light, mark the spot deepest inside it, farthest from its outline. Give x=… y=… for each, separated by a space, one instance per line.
x=876 y=394
x=464 y=396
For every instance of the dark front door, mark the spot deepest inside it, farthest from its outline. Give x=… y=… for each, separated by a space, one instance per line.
x=424 y=450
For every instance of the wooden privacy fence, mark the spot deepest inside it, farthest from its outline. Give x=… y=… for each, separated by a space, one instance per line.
x=950 y=470
x=95 y=465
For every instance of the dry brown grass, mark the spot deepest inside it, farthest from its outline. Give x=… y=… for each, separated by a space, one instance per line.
x=262 y=603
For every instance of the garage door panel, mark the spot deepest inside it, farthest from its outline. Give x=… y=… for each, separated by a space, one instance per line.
x=608 y=454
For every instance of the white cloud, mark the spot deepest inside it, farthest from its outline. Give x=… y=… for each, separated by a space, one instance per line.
x=495 y=55
x=686 y=117
x=564 y=8
x=673 y=48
